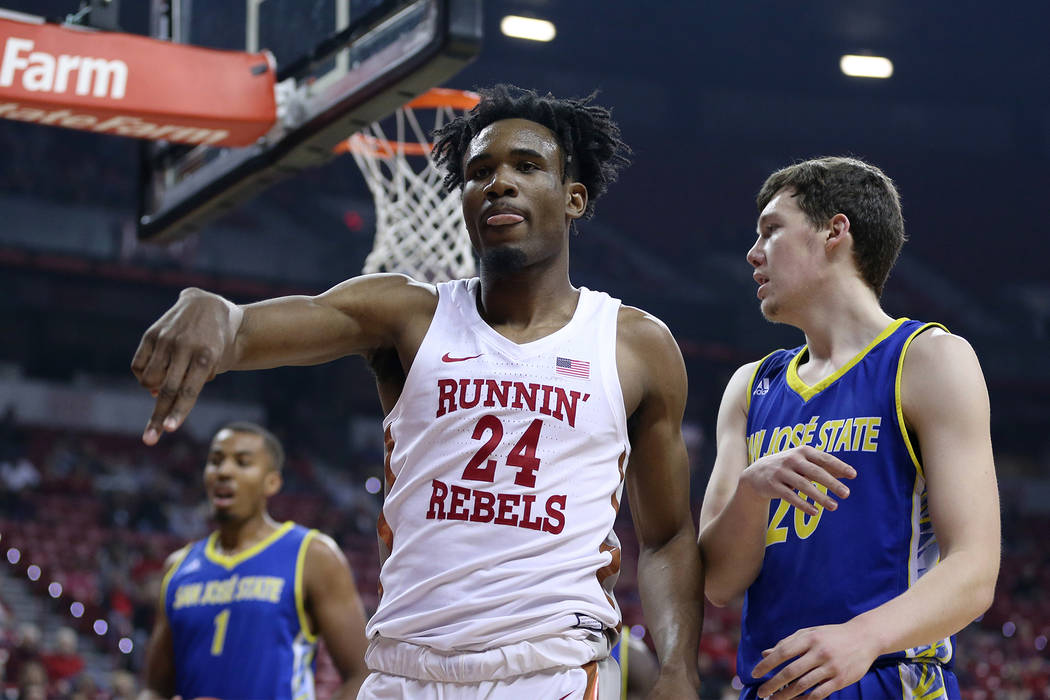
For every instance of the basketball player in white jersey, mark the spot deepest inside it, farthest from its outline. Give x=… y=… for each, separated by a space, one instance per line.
x=517 y=407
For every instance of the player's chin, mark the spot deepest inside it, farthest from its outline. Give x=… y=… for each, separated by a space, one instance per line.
x=504 y=258
x=222 y=514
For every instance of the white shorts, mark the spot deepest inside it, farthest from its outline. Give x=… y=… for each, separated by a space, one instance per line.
x=597 y=680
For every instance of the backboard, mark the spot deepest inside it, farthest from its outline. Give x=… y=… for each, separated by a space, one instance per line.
x=341 y=64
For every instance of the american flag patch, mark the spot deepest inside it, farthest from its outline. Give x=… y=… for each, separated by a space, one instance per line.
x=573 y=368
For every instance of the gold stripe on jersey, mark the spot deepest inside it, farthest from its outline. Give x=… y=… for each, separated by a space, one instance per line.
x=751 y=381
x=180 y=556
x=228 y=561
x=897 y=395
x=300 y=599
x=806 y=391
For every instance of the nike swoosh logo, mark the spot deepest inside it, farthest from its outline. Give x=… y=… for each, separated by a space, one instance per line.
x=448 y=358
x=565 y=696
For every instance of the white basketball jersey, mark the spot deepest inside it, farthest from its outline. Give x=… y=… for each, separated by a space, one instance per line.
x=505 y=471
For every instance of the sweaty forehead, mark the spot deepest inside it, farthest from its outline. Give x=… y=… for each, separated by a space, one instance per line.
x=508 y=135
x=784 y=202
x=236 y=441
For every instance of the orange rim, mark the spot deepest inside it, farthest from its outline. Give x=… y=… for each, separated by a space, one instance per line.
x=445 y=97
x=431 y=99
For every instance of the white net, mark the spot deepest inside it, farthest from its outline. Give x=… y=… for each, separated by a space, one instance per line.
x=419 y=226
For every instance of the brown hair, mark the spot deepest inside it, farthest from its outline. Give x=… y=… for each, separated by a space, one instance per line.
x=827 y=186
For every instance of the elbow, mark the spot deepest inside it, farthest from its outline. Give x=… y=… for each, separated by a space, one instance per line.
x=720 y=595
x=984 y=596
x=720 y=599
x=720 y=590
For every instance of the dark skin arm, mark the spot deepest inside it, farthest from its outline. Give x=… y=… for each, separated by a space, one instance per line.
x=670 y=575
x=203 y=335
x=335 y=611
x=160 y=653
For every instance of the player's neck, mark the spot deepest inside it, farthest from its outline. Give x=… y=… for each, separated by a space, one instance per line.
x=841 y=323
x=235 y=537
x=535 y=296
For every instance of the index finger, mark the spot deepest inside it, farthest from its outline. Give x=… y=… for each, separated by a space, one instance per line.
x=832 y=464
x=201 y=368
x=140 y=359
x=170 y=388
x=771 y=658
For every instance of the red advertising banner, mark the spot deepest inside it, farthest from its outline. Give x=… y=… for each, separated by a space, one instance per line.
x=130 y=85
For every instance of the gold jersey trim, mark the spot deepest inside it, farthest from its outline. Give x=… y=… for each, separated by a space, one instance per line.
x=897 y=395
x=300 y=598
x=179 y=558
x=230 y=561
x=806 y=391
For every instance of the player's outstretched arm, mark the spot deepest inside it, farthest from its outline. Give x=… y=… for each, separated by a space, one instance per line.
x=670 y=577
x=204 y=334
x=945 y=406
x=735 y=513
x=160 y=652
x=336 y=612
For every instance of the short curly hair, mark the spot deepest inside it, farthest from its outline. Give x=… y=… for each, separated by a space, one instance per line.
x=592 y=151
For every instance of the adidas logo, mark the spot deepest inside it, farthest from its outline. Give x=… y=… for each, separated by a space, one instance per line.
x=761 y=387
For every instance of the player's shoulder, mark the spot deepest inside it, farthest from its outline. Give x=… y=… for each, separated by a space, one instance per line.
x=176 y=557
x=639 y=327
x=322 y=551
x=935 y=338
x=383 y=289
x=935 y=354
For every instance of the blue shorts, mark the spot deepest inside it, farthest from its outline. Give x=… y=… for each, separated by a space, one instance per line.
x=894 y=682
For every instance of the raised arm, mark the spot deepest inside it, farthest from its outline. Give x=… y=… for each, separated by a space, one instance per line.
x=336 y=612
x=735 y=513
x=670 y=577
x=160 y=652
x=945 y=406
x=203 y=335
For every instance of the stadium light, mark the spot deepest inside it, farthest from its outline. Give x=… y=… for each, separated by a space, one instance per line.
x=527 y=28
x=866 y=66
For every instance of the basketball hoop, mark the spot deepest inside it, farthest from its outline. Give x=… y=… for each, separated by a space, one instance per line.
x=419 y=225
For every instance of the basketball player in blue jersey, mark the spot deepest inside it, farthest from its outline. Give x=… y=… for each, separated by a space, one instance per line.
x=853 y=499
x=518 y=408
x=240 y=612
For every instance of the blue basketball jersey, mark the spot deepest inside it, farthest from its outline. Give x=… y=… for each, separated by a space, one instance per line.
x=238 y=623
x=830 y=567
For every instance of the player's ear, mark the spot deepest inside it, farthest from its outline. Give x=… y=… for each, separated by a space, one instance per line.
x=575 y=200
x=272 y=482
x=838 y=231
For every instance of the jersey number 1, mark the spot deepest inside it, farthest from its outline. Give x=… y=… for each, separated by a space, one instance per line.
x=219 y=640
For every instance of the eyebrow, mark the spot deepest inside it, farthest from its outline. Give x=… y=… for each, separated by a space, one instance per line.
x=766 y=217
x=238 y=454
x=526 y=152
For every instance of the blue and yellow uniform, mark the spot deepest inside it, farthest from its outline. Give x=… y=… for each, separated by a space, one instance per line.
x=830 y=567
x=238 y=625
